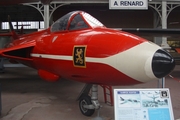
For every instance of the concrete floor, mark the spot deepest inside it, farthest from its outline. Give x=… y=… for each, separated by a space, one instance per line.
x=26 y=97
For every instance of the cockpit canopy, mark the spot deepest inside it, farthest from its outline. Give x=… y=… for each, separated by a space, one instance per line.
x=75 y=20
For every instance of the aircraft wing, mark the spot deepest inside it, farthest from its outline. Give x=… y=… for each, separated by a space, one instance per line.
x=153 y=32
x=171 y=34
x=5 y=34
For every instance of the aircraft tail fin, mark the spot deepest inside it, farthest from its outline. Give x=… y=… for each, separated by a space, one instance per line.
x=8 y=36
x=12 y=31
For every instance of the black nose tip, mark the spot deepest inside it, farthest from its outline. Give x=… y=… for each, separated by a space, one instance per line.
x=162 y=63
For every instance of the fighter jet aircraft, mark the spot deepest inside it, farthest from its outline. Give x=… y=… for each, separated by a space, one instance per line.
x=80 y=48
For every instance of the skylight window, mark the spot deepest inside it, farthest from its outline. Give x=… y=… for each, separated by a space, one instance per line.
x=25 y=24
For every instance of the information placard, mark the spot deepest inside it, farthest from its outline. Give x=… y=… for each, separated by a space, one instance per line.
x=143 y=104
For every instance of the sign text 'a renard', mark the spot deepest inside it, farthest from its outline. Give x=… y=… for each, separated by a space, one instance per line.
x=128 y=4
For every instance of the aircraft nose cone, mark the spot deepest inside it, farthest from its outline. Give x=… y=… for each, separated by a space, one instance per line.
x=162 y=63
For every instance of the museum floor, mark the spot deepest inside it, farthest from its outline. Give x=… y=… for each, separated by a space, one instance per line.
x=26 y=97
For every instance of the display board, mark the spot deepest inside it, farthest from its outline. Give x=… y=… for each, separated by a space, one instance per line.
x=143 y=104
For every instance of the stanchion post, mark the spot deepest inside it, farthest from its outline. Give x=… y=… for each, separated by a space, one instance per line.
x=161 y=83
x=1 y=65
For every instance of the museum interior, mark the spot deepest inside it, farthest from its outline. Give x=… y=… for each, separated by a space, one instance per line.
x=90 y=60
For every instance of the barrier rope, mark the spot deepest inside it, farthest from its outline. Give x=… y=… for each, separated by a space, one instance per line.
x=174 y=78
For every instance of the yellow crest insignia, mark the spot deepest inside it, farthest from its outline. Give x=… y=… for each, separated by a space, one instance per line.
x=79 y=56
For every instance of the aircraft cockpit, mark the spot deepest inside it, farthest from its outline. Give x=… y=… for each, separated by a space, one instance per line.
x=76 y=20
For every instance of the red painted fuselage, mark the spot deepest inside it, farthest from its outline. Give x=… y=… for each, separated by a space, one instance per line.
x=90 y=53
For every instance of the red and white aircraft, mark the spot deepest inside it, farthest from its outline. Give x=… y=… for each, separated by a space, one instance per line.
x=79 y=47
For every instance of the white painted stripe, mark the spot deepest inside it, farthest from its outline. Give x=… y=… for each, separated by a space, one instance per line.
x=55 y=57
x=135 y=62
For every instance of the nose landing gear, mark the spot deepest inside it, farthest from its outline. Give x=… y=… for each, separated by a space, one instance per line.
x=88 y=104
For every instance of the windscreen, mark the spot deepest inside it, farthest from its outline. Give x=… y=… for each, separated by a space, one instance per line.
x=77 y=23
x=61 y=24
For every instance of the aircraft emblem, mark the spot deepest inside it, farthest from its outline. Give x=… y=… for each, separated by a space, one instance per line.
x=79 y=56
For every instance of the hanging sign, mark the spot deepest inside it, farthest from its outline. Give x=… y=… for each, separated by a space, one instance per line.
x=128 y=4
